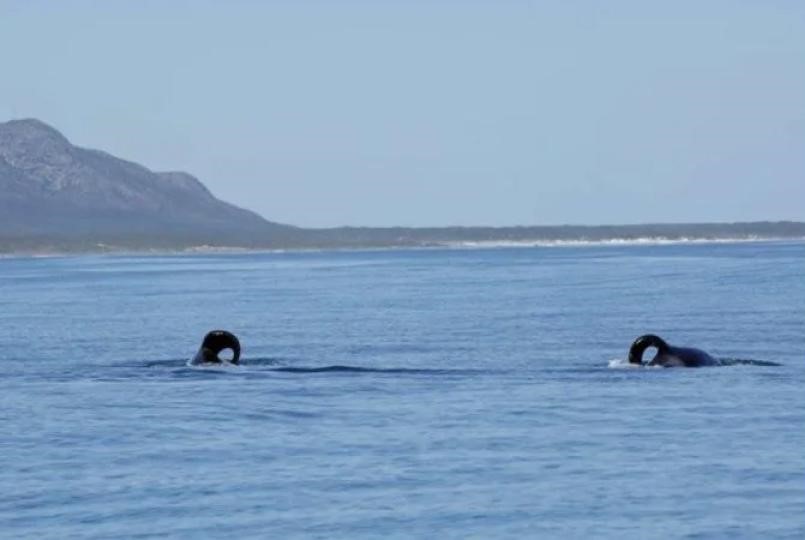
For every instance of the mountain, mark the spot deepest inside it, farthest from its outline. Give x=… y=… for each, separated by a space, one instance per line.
x=55 y=191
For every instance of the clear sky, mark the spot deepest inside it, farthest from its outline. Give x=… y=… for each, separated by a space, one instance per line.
x=433 y=112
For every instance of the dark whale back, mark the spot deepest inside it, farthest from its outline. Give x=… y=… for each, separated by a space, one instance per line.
x=214 y=343
x=668 y=355
x=689 y=356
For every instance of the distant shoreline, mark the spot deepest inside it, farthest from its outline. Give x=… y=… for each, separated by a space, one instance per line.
x=464 y=245
x=73 y=239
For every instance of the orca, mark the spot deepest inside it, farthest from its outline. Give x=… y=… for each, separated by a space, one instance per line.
x=668 y=355
x=214 y=343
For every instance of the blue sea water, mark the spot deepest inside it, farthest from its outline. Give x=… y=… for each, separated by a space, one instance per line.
x=475 y=396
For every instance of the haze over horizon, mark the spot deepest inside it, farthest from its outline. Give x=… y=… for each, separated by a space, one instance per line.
x=433 y=114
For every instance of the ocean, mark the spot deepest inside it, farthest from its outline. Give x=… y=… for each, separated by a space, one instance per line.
x=423 y=393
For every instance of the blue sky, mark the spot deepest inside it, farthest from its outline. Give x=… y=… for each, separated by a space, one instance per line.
x=433 y=113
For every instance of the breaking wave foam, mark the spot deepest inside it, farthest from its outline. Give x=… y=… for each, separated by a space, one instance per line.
x=641 y=241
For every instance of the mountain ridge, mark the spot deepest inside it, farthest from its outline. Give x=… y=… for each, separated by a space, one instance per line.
x=53 y=188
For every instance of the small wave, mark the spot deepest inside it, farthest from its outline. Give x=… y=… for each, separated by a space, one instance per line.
x=359 y=369
x=176 y=362
x=622 y=363
x=218 y=366
x=745 y=362
x=281 y=365
x=185 y=362
x=267 y=361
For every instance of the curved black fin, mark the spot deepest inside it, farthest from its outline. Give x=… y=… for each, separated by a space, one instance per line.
x=642 y=343
x=215 y=342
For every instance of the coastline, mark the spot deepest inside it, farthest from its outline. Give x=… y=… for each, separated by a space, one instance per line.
x=112 y=251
